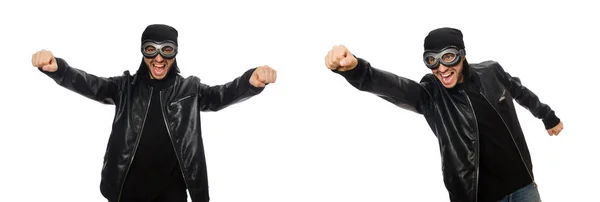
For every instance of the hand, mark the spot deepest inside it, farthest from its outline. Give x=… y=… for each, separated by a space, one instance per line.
x=262 y=76
x=556 y=130
x=339 y=58
x=45 y=60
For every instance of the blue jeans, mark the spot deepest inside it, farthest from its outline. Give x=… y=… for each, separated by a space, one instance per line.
x=528 y=193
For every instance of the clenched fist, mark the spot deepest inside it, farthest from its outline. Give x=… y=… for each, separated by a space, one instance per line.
x=262 y=76
x=556 y=129
x=339 y=58
x=45 y=60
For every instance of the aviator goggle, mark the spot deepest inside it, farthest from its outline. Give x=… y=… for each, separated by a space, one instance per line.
x=449 y=56
x=167 y=49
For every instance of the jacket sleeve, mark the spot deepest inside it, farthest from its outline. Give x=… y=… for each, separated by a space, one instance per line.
x=215 y=98
x=101 y=89
x=528 y=99
x=400 y=91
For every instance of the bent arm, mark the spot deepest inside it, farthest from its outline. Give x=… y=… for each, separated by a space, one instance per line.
x=215 y=98
x=529 y=100
x=103 y=90
x=400 y=91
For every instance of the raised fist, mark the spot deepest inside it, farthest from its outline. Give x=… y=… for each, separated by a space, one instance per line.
x=339 y=58
x=262 y=76
x=45 y=60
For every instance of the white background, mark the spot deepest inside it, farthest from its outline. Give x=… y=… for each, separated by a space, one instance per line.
x=311 y=136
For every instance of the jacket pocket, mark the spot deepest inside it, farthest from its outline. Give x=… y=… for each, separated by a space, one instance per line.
x=182 y=99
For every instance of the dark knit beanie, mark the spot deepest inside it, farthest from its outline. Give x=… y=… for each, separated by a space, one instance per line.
x=160 y=32
x=440 y=38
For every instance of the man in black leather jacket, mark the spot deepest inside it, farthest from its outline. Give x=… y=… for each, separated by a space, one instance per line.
x=155 y=150
x=470 y=109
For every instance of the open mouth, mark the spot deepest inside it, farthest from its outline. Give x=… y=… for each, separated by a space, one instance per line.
x=159 y=69
x=447 y=77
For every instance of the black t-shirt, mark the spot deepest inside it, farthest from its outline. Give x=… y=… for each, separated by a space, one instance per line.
x=155 y=166
x=501 y=169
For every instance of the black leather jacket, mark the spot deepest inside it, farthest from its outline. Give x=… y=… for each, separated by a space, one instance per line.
x=451 y=117
x=182 y=103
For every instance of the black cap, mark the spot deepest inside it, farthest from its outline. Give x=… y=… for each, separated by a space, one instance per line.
x=160 y=32
x=440 y=38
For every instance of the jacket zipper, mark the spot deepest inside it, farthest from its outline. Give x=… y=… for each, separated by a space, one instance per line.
x=172 y=143
x=136 y=145
x=477 y=148
x=511 y=136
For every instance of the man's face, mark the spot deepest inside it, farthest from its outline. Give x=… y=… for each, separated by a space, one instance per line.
x=159 y=67
x=449 y=76
x=154 y=57
x=446 y=65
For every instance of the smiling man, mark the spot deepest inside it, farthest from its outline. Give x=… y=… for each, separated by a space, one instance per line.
x=155 y=151
x=470 y=109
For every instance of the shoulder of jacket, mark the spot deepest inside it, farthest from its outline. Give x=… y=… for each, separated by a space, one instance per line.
x=427 y=78
x=485 y=64
x=191 y=78
x=127 y=74
x=428 y=82
x=190 y=81
x=488 y=66
x=125 y=77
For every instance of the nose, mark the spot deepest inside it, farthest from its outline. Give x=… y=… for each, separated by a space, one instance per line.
x=158 y=58
x=442 y=68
